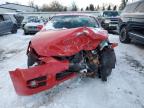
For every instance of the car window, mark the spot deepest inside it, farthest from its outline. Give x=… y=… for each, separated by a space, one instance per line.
x=1 y=18
x=140 y=8
x=110 y=14
x=6 y=17
x=69 y=21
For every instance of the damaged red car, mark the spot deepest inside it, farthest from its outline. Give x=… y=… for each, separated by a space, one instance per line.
x=68 y=45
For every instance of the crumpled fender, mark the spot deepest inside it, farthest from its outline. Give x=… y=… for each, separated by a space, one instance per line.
x=43 y=76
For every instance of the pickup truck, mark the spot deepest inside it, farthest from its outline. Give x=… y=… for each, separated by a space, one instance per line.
x=109 y=19
x=131 y=22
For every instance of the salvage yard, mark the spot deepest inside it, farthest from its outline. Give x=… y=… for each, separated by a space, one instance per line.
x=124 y=88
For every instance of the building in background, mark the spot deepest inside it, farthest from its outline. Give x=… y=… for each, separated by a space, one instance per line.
x=10 y=7
x=7 y=10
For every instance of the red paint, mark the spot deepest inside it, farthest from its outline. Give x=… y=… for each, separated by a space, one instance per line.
x=50 y=69
x=65 y=42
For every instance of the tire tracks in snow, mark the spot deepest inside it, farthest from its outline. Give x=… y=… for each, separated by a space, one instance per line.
x=134 y=78
x=135 y=64
x=4 y=54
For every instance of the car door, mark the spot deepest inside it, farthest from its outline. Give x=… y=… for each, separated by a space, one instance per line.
x=2 y=24
x=140 y=12
x=8 y=22
x=140 y=18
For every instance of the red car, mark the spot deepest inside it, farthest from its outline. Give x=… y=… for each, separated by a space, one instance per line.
x=68 y=45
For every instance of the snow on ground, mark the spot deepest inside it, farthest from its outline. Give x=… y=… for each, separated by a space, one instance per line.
x=124 y=88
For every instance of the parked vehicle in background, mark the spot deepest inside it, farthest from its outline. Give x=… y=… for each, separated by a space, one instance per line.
x=7 y=24
x=131 y=23
x=27 y=19
x=33 y=26
x=109 y=19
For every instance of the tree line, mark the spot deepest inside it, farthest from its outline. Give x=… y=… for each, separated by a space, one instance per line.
x=56 y=6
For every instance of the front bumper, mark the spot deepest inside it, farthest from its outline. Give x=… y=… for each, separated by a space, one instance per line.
x=39 y=78
x=109 y=26
x=31 y=29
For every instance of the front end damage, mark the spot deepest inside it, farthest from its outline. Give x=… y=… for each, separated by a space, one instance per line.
x=56 y=56
x=40 y=78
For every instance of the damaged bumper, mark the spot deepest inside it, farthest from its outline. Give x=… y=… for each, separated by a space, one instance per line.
x=40 y=78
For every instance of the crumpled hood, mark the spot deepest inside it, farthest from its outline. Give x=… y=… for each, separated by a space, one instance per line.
x=59 y=42
x=50 y=41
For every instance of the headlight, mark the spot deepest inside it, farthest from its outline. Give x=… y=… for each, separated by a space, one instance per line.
x=107 y=21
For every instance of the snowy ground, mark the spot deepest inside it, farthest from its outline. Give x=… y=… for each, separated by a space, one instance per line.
x=124 y=88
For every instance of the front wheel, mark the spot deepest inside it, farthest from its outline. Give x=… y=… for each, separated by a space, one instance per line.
x=107 y=61
x=105 y=72
x=124 y=37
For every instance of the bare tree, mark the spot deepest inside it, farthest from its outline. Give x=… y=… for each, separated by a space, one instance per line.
x=74 y=6
x=123 y=4
x=81 y=9
x=65 y=8
x=53 y=6
x=98 y=8
x=87 y=8
x=56 y=6
x=103 y=8
x=45 y=8
x=115 y=7
x=109 y=7
x=31 y=3
x=91 y=7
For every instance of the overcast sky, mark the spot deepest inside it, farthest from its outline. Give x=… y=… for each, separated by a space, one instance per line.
x=80 y=3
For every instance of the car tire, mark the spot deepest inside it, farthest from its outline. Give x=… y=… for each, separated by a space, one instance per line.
x=14 y=29
x=107 y=61
x=105 y=73
x=25 y=32
x=124 y=37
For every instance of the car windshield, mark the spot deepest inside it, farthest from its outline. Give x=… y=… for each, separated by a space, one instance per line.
x=71 y=21
x=34 y=20
x=110 y=14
